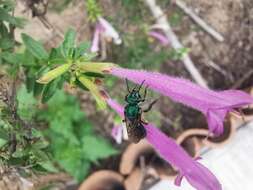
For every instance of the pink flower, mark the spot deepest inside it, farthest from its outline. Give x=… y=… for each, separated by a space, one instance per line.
x=160 y=37
x=195 y=173
x=214 y=105
x=104 y=28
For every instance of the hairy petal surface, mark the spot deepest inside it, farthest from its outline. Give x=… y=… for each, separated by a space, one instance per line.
x=214 y=105
x=195 y=173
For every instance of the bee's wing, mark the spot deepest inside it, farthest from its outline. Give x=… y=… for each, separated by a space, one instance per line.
x=135 y=130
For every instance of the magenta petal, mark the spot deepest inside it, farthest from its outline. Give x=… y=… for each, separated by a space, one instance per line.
x=195 y=173
x=214 y=105
x=160 y=37
x=178 y=180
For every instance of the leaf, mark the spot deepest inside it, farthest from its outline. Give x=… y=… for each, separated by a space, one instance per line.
x=11 y=57
x=49 y=90
x=91 y=74
x=30 y=83
x=35 y=47
x=95 y=148
x=4 y=16
x=6 y=43
x=4 y=30
x=48 y=165
x=68 y=44
x=81 y=49
x=93 y=90
x=26 y=104
x=3 y=142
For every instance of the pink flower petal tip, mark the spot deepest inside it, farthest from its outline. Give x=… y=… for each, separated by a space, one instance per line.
x=214 y=105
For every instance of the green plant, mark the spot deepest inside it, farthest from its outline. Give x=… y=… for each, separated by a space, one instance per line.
x=71 y=137
x=93 y=10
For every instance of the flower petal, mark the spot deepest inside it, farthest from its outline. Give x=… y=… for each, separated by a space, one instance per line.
x=51 y=75
x=196 y=174
x=95 y=41
x=184 y=91
x=95 y=67
x=109 y=31
x=160 y=37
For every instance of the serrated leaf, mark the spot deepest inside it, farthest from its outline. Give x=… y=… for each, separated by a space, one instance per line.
x=34 y=47
x=96 y=148
x=68 y=44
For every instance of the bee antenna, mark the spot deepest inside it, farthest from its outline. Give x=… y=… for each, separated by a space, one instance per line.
x=141 y=85
x=128 y=89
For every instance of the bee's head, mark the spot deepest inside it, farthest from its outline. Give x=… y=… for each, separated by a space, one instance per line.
x=133 y=97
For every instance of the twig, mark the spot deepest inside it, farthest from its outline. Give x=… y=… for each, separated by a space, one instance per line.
x=245 y=77
x=199 y=21
x=164 y=24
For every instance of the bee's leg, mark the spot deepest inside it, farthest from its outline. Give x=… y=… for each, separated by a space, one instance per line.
x=144 y=122
x=150 y=106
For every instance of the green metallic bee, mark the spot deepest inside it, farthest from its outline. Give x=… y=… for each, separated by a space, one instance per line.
x=133 y=113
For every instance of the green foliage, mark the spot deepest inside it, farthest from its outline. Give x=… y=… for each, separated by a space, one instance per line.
x=140 y=53
x=20 y=144
x=26 y=104
x=93 y=10
x=72 y=137
x=34 y=47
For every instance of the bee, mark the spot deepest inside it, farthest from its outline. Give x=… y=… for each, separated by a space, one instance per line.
x=133 y=113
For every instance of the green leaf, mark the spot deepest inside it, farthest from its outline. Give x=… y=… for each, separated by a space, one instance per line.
x=12 y=58
x=81 y=49
x=5 y=16
x=95 y=148
x=30 y=82
x=26 y=104
x=2 y=142
x=6 y=43
x=92 y=74
x=68 y=44
x=4 y=30
x=50 y=90
x=35 y=47
x=47 y=165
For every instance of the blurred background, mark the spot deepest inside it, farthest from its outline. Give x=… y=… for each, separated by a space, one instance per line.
x=72 y=146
